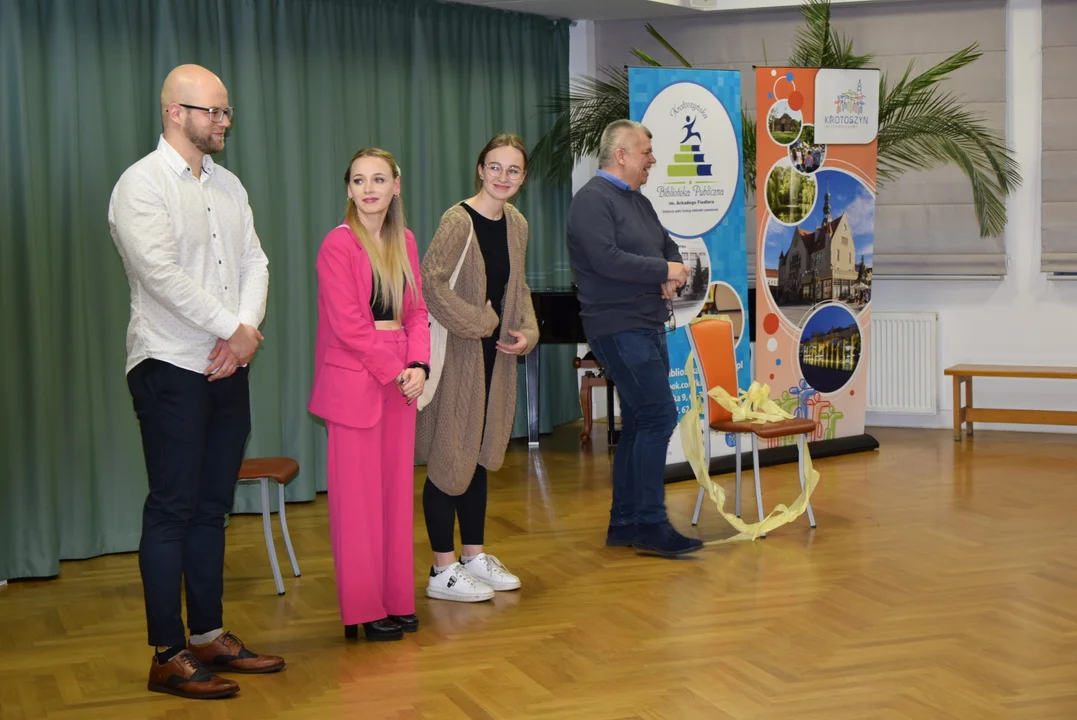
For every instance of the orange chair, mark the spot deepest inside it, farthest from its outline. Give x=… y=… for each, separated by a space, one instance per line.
x=711 y=340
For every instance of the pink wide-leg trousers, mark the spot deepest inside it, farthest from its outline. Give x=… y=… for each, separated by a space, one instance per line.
x=371 y=508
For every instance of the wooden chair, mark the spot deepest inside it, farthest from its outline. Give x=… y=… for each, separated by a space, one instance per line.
x=283 y=470
x=711 y=340
x=591 y=379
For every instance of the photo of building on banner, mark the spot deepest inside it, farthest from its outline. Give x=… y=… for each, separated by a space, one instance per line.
x=697 y=189
x=816 y=157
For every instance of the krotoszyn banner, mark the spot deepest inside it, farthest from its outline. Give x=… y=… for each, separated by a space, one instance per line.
x=815 y=189
x=697 y=189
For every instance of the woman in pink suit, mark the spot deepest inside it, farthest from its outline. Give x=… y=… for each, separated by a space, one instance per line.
x=371 y=361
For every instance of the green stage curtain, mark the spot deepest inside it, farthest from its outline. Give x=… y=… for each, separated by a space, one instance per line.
x=312 y=81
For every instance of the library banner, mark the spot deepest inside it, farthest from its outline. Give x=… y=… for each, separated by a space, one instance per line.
x=697 y=189
x=816 y=140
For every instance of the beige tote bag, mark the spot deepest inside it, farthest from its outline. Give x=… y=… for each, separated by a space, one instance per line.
x=439 y=337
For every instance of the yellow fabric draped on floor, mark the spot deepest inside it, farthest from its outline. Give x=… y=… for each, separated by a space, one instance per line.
x=752 y=405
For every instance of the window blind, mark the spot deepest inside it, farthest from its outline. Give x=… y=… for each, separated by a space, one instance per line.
x=1059 y=161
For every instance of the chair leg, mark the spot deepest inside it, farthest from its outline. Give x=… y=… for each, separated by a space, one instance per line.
x=284 y=529
x=758 y=489
x=736 y=450
x=800 y=461
x=586 y=407
x=270 y=547
x=706 y=462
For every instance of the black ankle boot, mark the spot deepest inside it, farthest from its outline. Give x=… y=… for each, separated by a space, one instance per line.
x=384 y=629
x=407 y=623
x=351 y=632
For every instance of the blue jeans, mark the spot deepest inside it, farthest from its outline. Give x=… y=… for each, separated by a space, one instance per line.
x=638 y=363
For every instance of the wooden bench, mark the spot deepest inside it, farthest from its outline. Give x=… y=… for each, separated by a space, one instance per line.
x=968 y=414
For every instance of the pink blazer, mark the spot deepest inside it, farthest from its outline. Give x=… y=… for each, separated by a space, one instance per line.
x=353 y=360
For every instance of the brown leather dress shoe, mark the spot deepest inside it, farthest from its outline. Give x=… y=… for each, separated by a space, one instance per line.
x=184 y=676
x=228 y=654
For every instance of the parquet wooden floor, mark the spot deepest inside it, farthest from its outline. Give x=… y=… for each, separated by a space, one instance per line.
x=941 y=583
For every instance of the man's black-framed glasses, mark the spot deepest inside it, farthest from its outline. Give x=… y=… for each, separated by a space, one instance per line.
x=216 y=114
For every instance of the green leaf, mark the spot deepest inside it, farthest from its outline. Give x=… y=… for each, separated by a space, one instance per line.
x=818 y=45
x=647 y=59
x=747 y=123
x=923 y=127
x=580 y=115
x=665 y=43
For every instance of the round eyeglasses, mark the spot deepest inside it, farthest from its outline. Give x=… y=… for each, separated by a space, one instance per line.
x=515 y=173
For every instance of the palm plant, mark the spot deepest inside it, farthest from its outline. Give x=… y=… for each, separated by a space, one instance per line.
x=921 y=126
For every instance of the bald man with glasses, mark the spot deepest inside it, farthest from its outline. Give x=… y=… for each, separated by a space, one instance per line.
x=199 y=282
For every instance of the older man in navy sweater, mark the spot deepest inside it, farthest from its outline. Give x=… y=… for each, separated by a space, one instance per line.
x=627 y=270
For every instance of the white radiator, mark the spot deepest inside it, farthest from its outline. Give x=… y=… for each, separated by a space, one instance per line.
x=903 y=363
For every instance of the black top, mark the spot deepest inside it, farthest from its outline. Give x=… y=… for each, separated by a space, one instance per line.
x=375 y=302
x=493 y=239
x=619 y=252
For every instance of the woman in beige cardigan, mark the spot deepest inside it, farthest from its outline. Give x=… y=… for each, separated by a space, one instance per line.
x=465 y=429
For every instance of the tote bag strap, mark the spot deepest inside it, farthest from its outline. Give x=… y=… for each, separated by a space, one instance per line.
x=439 y=336
x=460 y=262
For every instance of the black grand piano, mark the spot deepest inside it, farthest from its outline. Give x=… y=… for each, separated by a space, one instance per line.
x=558 y=313
x=557 y=310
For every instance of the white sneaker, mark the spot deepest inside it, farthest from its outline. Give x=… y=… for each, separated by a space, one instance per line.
x=456 y=583
x=489 y=570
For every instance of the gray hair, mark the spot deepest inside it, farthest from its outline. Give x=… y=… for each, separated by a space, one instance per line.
x=612 y=138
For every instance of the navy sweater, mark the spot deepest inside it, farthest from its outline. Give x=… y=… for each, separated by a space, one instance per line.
x=619 y=252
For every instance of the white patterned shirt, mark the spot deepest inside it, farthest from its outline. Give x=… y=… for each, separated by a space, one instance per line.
x=193 y=260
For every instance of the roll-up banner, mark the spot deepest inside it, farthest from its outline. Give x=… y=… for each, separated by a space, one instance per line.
x=815 y=190
x=697 y=189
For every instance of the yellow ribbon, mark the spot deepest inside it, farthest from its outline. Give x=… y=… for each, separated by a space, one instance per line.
x=752 y=405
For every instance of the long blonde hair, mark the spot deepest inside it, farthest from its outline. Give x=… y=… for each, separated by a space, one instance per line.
x=389 y=258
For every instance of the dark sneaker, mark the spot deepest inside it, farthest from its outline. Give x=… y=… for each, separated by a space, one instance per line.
x=620 y=535
x=663 y=539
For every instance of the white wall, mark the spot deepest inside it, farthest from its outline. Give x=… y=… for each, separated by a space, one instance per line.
x=1024 y=318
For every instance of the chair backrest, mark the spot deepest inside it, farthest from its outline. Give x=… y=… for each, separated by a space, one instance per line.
x=716 y=358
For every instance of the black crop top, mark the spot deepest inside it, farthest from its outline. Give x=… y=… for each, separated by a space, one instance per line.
x=375 y=303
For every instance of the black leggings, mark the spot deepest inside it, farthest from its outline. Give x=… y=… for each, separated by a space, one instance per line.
x=441 y=509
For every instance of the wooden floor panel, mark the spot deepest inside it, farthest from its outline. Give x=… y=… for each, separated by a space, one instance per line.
x=940 y=583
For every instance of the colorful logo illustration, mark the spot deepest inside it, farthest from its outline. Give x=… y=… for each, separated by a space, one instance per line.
x=697 y=178
x=851 y=101
x=690 y=161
